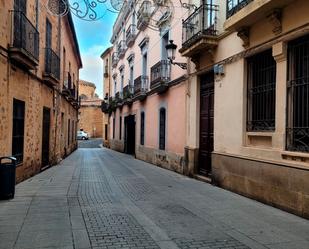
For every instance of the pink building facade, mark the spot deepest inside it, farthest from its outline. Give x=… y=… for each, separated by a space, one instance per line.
x=147 y=93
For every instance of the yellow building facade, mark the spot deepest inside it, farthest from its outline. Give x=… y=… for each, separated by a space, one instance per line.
x=39 y=68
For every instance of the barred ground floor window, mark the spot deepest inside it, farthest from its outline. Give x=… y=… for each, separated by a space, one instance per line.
x=298 y=95
x=261 y=104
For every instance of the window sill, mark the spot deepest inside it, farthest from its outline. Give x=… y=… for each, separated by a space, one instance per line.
x=260 y=133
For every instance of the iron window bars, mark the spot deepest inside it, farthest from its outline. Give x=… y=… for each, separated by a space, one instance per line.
x=261 y=92
x=298 y=95
x=233 y=6
x=52 y=63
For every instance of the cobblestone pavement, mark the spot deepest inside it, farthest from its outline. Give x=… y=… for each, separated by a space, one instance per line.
x=91 y=143
x=98 y=198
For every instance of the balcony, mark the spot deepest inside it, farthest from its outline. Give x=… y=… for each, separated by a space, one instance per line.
x=51 y=74
x=24 y=47
x=128 y=92
x=67 y=84
x=244 y=13
x=119 y=99
x=199 y=30
x=72 y=95
x=140 y=87
x=130 y=35
x=115 y=59
x=143 y=15
x=121 y=49
x=160 y=76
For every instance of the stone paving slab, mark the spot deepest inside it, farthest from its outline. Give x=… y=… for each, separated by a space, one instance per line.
x=98 y=198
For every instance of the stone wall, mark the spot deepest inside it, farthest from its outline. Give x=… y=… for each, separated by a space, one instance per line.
x=284 y=186
x=91 y=120
x=16 y=82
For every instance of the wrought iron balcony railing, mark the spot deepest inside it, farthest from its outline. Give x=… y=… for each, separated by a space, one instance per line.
x=160 y=73
x=128 y=91
x=202 y=22
x=143 y=15
x=233 y=6
x=115 y=59
x=52 y=63
x=121 y=48
x=130 y=35
x=25 y=38
x=140 y=85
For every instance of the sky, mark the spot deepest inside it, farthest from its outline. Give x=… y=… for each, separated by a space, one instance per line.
x=93 y=38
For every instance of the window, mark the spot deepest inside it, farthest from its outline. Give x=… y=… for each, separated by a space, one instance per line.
x=115 y=86
x=142 y=128
x=18 y=129
x=144 y=64
x=233 y=6
x=114 y=121
x=298 y=95
x=120 y=127
x=164 y=42
x=69 y=131
x=64 y=61
x=48 y=41
x=162 y=129
x=121 y=80
x=261 y=92
x=73 y=129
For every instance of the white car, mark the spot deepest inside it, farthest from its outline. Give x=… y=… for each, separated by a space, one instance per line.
x=82 y=135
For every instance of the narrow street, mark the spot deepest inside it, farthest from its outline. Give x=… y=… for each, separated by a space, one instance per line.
x=98 y=198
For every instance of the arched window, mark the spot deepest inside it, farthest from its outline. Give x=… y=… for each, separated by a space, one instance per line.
x=162 y=129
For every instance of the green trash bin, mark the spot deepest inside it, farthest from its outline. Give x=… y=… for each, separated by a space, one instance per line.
x=7 y=177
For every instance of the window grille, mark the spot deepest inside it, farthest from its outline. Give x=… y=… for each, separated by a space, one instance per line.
x=261 y=92
x=298 y=95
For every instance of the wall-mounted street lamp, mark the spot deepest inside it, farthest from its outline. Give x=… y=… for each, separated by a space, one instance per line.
x=171 y=50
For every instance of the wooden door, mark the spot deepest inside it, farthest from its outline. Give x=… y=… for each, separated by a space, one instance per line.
x=206 y=123
x=45 y=136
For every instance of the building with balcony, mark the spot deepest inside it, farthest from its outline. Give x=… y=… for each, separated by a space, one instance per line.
x=145 y=101
x=247 y=107
x=39 y=69
x=106 y=57
x=91 y=119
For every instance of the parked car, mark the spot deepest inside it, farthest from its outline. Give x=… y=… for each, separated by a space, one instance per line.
x=81 y=135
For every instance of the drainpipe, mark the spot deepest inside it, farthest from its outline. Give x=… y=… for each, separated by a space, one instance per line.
x=56 y=94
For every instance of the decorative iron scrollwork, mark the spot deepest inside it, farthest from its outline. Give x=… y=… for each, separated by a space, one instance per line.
x=88 y=10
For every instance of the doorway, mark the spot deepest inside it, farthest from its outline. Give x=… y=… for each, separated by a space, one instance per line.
x=45 y=137
x=129 y=136
x=206 y=123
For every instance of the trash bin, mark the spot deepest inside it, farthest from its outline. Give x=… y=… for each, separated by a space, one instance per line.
x=7 y=177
